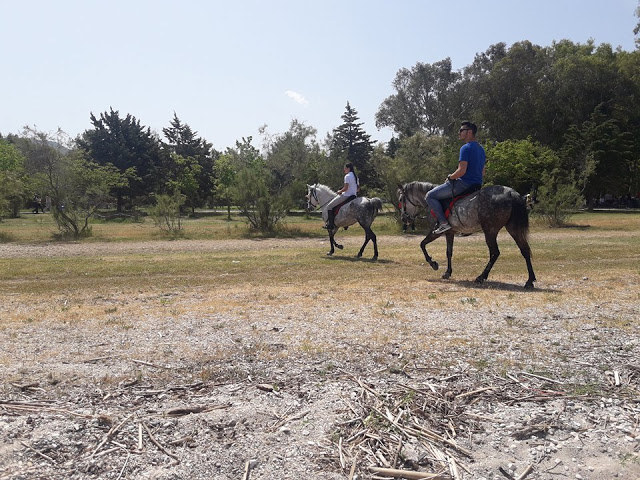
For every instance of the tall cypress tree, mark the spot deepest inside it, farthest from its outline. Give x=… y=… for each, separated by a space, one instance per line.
x=352 y=141
x=186 y=143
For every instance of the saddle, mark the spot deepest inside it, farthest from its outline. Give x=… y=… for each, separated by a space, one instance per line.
x=349 y=199
x=447 y=203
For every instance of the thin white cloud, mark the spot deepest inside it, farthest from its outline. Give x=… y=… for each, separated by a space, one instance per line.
x=296 y=97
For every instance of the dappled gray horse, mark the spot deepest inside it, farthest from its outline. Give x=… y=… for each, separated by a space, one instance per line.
x=488 y=209
x=361 y=210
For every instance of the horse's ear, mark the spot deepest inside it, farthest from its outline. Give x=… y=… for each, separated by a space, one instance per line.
x=400 y=186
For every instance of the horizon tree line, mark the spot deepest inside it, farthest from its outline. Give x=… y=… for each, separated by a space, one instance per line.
x=553 y=119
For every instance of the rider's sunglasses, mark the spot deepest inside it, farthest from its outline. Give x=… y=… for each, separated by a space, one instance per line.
x=463 y=130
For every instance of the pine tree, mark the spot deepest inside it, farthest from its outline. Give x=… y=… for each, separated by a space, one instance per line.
x=184 y=143
x=127 y=145
x=350 y=140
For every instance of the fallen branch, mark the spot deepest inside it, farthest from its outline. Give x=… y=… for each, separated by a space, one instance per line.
x=28 y=386
x=142 y=362
x=473 y=392
x=353 y=467
x=181 y=411
x=46 y=457
x=526 y=472
x=283 y=421
x=409 y=474
x=157 y=444
x=124 y=466
x=540 y=377
x=247 y=469
x=97 y=359
x=110 y=434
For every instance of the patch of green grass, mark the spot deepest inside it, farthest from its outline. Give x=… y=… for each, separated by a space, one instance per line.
x=6 y=237
x=630 y=458
x=587 y=389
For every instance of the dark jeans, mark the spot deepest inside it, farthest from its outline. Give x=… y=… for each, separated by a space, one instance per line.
x=447 y=190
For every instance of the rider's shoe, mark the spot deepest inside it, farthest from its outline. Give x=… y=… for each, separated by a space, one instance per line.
x=328 y=227
x=444 y=226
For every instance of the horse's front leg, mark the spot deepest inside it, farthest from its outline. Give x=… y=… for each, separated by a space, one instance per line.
x=332 y=241
x=450 y=237
x=423 y=245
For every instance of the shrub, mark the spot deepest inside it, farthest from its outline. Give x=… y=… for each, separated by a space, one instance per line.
x=166 y=212
x=557 y=199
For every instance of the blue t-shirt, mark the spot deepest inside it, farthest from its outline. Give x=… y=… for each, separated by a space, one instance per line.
x=474 y=155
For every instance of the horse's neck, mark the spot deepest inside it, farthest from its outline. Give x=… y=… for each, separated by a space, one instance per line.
x=418 y=191
x=325 y=195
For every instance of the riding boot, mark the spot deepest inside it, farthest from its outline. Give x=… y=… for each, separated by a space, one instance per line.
x=330 y=221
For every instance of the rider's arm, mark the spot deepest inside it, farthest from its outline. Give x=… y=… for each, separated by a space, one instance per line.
x=344 y=188
x=460 y=171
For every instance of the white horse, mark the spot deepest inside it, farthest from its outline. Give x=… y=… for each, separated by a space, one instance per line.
x=361 y=210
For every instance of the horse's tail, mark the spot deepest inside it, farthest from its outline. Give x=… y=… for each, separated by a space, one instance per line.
x=518 y=224
x=377 y=204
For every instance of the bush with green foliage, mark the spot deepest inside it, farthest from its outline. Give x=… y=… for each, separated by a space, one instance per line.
x=557 y=199
x=518 y=164
x=166 y=212
x=12 y=180
x=262 y=208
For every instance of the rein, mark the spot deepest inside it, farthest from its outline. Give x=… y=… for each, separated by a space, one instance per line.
x=315 y=195
x=404 y=204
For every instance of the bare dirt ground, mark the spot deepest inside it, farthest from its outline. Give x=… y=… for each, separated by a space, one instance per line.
x=286 y=381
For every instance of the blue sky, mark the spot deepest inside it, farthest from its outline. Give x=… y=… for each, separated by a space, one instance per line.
x=227 y=68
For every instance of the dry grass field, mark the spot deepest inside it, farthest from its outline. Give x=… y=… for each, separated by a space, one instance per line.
x=230 y=356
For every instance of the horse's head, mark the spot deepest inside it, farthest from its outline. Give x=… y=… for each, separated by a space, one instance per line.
x=312 y=197
x=408 y=208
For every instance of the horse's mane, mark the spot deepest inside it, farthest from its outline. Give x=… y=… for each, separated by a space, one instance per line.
x=320 y=186
x=418 y=189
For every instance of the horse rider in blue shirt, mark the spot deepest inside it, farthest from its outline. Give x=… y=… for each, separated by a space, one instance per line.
x=470 y=172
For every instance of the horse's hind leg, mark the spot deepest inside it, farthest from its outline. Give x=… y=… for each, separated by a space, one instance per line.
x=525 y=250
x=492 y=242
x=369 y=235
x=374 y=239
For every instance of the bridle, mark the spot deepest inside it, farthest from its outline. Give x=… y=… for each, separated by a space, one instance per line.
x=310 y=206
x=403 y=203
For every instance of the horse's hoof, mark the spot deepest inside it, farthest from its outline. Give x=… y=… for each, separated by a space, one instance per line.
x=435 y=265
x=374 y=258
x=339 y=246
x=329 y=254
x=528 y=286
x=446 y=275
x=479 y=280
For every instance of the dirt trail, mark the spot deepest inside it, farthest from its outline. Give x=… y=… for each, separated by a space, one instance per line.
x=290 y=384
